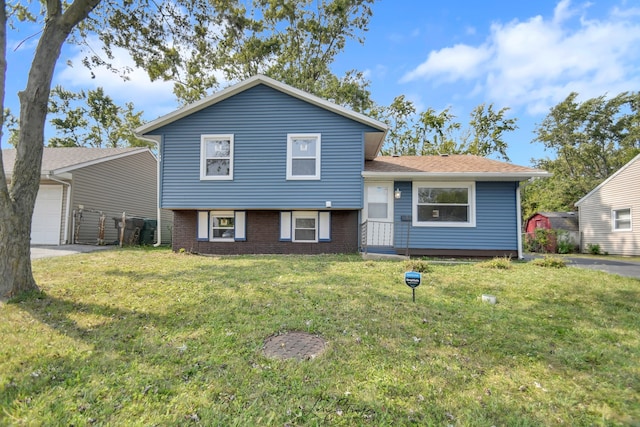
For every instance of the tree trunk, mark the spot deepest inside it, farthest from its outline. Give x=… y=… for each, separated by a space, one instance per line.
x=17 y=199
x=15 y=257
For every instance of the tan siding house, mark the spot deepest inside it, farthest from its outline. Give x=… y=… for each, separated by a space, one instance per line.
x=610 y=213
x=80 y=185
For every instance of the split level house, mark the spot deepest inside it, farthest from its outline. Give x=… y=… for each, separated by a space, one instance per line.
x=262 y=167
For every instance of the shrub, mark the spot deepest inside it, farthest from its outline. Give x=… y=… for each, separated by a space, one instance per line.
x=593 y=249
x=550 y=262
x=417 y=265
x=500 y=263
x=542 y=240
x=566 y=247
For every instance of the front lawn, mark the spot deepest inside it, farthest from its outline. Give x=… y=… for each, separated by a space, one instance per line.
x=150 y=337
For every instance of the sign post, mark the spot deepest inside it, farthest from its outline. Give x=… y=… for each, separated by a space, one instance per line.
x=412 y=279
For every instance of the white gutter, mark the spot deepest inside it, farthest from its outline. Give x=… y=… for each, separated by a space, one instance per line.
x=519 y=226
x=66 y=214
x=487 y=176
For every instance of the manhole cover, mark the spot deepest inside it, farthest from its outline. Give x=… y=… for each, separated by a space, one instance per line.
x=294 y=345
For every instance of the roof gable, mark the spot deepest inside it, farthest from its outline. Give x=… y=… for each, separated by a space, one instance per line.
x=373 y=140
x=57 y=160
x=606 y=181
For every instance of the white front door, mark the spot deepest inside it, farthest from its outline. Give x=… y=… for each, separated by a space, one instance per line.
x=378 y=213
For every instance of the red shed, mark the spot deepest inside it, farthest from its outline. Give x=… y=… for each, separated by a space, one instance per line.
x=552 y=221
x=567 y=221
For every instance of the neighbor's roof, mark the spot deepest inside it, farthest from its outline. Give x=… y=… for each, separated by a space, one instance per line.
x=57 y=160
x=606 y=181
x=559 y=214
x=373 y=142
x=560 y=220
x=447 y=166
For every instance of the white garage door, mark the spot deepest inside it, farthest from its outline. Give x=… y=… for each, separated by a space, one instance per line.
x=47 y=216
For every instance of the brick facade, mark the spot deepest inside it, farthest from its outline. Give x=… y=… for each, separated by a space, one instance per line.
x=263 y=235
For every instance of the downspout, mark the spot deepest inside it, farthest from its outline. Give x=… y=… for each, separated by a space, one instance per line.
x=66 y=214
x=156 y=140
x=519 y=221
x=159 y=214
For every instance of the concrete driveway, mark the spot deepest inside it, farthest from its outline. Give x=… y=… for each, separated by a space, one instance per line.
x=622 y=268
x=38 y=252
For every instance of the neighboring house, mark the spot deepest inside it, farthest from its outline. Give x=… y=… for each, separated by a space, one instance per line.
x=262 y=167
x=610 y=213
x=79 y=185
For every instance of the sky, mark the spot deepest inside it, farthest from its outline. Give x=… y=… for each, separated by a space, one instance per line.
x=523 y=55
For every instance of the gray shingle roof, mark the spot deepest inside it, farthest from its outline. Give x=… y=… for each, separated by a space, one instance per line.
x=57 y=158
x=451 y=164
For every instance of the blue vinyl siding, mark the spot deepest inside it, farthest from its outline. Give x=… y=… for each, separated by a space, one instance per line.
x=496 y=221
x=260 y=119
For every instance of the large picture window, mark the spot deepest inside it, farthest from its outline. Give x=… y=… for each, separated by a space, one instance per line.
x=621 y=219
x=216 y=157
x=303 y=156
x=444 y=204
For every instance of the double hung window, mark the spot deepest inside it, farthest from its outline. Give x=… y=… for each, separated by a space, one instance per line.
x=621 y=219
x=305 y=227
x=216 y=157
x=303 y=156
x=222 y=226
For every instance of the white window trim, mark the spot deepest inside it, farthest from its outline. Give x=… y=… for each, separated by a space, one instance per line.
x=214 y=214
x=290 y=138
x=470 y=186
x=203 y=158
x=300 y=215
x=614 y=217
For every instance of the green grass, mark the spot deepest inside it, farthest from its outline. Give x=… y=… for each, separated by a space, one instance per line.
x=149 y=337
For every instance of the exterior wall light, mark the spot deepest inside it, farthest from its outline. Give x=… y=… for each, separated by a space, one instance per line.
x=397 y=194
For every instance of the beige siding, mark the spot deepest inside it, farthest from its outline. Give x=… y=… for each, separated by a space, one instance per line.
x=619 y=192
x=126 y=184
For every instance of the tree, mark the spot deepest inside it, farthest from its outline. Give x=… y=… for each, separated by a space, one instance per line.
x=186 y=41
x=10 y=124
x=590 y=140
x=92 y=119
x=18 y=198
x=431 y=133
x=292 y=41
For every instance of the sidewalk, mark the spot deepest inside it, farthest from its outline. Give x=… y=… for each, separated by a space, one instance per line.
x=38 y=252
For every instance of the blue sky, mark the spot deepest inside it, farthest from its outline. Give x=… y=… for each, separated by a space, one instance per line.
x=524 y=55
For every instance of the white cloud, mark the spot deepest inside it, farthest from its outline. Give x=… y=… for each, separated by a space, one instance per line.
x=451 y=64
x=154 y=98
x=536 y=63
